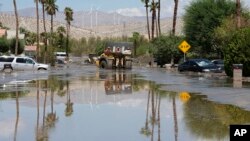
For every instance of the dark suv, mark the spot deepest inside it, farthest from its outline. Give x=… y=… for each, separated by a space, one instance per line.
x=199 y=65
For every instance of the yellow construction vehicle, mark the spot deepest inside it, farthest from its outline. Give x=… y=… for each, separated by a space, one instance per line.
x=116 y=56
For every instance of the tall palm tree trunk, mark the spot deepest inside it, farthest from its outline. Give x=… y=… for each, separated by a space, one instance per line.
x=238 y=8
x=153 y=21
x=37 y=34
x=159 y=16
x=45 y=31
x=147 y=21
x=67 y=41
x=17 y=27
x=175 y=16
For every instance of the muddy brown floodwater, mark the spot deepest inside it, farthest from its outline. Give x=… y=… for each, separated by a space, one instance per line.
x=145 y=104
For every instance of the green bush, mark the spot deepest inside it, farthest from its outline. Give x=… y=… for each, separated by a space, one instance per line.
x=167 y=49
x=13 y=46
x=238 y=52
x=200 y=20
x=4 y=45
x=145 y=49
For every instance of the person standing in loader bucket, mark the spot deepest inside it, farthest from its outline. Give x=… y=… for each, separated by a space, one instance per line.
x=116 y=56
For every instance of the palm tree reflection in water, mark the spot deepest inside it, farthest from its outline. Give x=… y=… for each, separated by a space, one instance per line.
x=153 y=111
x=17 y=114
x=51 y=117
x=42 y=132
x=69 y=104
x=155 y=98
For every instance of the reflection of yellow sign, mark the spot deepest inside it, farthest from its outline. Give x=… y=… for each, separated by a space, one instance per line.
x=184 y=96
x=184 y=46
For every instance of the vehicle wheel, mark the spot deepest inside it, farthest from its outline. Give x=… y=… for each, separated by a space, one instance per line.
x=103 y=64
x=42 y=69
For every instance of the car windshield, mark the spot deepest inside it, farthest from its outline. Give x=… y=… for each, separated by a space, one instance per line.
x=203 y=62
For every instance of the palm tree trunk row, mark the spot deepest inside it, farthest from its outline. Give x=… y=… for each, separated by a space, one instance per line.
x=37 y=34
x=159 y=17
x=17 y=27
x=175 y=16
x=45 y=33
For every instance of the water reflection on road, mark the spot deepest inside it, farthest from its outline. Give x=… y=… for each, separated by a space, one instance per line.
x=110 y=105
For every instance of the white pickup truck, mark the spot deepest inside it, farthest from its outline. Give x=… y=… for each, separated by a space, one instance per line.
x=20 y=63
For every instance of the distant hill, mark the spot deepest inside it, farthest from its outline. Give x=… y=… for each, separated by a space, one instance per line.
x=103 y=24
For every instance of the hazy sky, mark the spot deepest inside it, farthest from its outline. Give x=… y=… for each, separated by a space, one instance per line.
x=124 y=7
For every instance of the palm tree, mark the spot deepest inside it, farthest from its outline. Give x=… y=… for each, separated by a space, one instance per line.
x=146 y=6
x=44 y=28
x=17 y=26
x=61 y=31
x=175 y=16
x=159 y=16
x=238 y=8
x=153 y=10
x=37 y=34
x=68 y=17
x=51 y=8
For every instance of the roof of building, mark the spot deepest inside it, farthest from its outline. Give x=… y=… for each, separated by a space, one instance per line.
x=30 y=48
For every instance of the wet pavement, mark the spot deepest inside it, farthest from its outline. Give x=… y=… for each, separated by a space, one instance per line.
x=85 y=103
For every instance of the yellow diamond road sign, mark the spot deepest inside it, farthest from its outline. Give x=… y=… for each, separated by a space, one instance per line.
x=184 y=46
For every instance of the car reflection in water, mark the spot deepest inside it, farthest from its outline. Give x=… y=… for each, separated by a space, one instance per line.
x=118 y=83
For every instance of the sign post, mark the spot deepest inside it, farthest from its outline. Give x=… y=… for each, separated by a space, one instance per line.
x=184 y=47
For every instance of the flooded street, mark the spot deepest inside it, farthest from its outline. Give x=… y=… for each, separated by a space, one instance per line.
x=142 y=104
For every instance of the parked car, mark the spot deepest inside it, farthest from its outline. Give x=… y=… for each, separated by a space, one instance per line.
x=199 y=65
x=21 y=63
x=219 y=63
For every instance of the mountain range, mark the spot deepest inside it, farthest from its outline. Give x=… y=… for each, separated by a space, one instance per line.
x=90 y=23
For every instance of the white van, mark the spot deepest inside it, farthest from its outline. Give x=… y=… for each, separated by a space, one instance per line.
x=61 y=55
x=21 y=63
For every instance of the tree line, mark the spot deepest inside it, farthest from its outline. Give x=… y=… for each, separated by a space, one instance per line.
x=50 y=8
x=214 y=29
